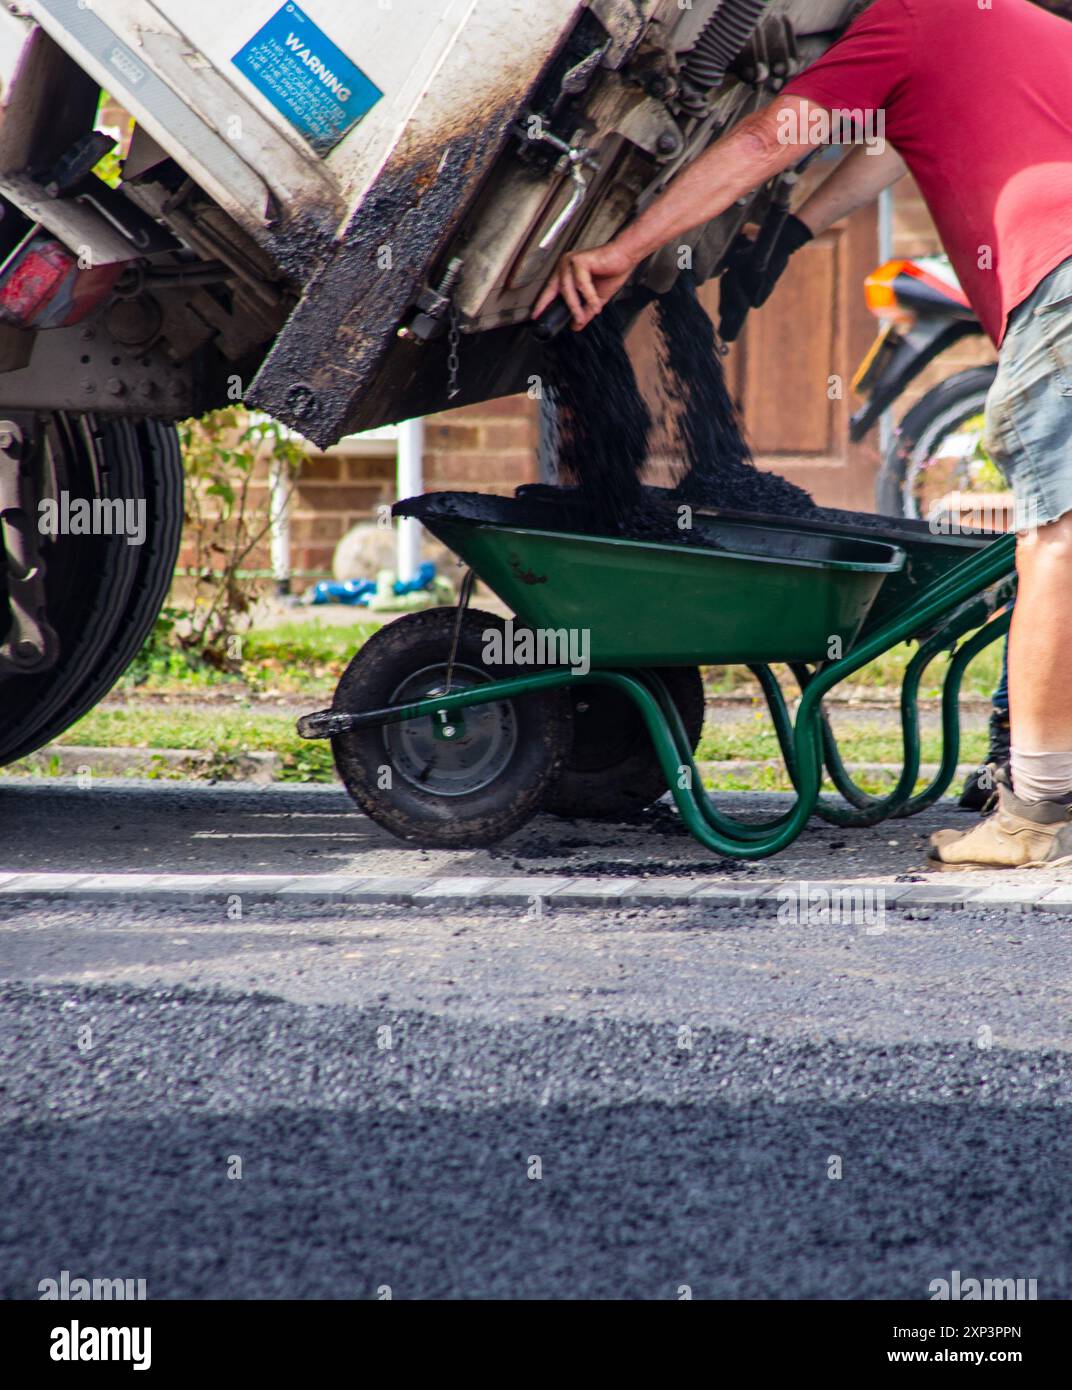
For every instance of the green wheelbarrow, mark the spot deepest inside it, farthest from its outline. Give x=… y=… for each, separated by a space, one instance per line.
x=452 y=727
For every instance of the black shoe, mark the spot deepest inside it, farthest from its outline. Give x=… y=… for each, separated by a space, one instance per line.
x=982 y=784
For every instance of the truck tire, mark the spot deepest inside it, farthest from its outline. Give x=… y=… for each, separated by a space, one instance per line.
x=103 y=594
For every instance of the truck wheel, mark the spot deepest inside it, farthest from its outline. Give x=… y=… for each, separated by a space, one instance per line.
x=103 y=594
x=612 y=770
x=466 y=789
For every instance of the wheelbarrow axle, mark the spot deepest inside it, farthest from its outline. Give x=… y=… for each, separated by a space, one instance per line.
x=328 y=723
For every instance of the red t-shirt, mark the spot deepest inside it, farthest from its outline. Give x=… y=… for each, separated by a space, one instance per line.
x=978 y=102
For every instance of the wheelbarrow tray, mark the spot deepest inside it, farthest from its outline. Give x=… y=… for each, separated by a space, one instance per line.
x=929 y=554
x=737 y=592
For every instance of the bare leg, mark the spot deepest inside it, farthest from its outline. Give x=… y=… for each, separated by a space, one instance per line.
x=1032 y=824
x=1040 y=643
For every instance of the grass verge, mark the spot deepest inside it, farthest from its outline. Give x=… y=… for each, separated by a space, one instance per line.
x=226 y=734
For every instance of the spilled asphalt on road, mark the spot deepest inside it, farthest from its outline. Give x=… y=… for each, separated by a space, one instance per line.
x=337 y=1099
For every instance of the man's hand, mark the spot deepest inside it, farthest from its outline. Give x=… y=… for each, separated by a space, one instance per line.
x=744 y=285
x=587 y=280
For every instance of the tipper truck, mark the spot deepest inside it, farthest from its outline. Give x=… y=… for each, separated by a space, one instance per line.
x=340 y=212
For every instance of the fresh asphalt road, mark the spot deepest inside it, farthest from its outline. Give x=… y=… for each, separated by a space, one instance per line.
x=470 y=1101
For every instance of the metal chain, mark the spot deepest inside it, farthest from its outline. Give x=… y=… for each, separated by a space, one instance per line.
x=454 y=338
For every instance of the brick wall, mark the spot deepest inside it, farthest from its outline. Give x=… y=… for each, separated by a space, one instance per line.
x=335 y=491
x=489 y=447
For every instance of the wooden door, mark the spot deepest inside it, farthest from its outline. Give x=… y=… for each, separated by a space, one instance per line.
x=791 y=368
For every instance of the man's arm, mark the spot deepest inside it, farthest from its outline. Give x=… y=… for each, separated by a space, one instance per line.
x=753 y=152
x=748 y=156
x=858 y=179
x=747 y=284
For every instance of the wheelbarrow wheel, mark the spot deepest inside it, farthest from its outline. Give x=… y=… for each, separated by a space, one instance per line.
x=471 y=787
x=612 y=771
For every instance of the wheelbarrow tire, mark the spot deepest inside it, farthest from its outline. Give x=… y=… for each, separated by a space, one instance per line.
x=612 y=771
x=465 y=794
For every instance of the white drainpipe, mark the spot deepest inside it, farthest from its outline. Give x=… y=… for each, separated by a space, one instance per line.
x=279 y=485
x=885 y=253
x=410 y=482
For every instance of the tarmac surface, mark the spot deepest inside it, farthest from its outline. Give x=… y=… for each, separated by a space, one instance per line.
x=265 y=1095
x=115 y=838
x=128 y=824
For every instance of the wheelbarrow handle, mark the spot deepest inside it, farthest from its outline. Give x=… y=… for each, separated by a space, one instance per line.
x=552 y=321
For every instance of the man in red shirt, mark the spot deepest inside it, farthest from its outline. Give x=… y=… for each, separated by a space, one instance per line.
x=975 y=98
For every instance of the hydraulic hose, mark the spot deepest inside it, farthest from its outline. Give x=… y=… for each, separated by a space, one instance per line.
x=720 y=41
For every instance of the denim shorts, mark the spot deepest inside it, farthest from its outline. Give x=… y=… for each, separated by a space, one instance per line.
x=1029 y=406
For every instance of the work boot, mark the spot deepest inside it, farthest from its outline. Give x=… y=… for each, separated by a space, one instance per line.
x=981 y=785
x=1019 y=835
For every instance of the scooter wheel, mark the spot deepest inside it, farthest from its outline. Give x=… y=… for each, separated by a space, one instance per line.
x=465 y=786
x=612 y=771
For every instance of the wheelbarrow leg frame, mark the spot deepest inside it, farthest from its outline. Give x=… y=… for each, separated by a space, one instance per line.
x=950 y=608
x=863 y=810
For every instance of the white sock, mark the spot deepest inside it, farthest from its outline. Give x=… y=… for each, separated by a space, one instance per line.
x=1041 y=776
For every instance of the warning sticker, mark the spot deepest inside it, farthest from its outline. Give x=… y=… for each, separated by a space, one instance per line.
x=306 y=77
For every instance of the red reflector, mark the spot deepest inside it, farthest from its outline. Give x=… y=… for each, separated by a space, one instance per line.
x=46 y=289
